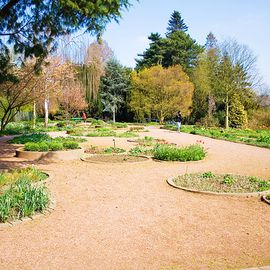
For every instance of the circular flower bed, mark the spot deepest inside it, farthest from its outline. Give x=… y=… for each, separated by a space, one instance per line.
x=220 y=183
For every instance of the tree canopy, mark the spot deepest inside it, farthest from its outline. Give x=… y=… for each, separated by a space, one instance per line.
x=161 y=92
x=32 y=26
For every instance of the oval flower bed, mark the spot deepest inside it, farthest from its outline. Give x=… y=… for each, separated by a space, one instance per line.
x=19 y=196
x=110 y=155
x=221 y=183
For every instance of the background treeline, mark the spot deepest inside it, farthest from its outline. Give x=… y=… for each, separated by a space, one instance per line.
x=213 y=85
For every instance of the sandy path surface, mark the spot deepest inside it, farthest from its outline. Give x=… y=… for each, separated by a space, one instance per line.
x=119 y=216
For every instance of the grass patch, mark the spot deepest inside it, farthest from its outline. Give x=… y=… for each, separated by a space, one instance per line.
x=102 y=132
x=172 y=153
x=227 y=183
x=127 y=134
x=247 y=136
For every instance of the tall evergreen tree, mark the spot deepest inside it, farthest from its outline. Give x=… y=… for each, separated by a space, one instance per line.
x=177 y=48
x=176 y=23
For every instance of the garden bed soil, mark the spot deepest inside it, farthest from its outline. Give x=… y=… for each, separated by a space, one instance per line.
x=115 y=158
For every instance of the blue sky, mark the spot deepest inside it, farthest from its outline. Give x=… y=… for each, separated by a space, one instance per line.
x=247 y=21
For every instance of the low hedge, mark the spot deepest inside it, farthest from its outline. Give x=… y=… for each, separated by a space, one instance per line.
x=172 y=153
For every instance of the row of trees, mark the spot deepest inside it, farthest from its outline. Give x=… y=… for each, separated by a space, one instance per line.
x=212 y=84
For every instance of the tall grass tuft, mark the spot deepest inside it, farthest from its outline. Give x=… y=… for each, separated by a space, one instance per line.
x=23 y=199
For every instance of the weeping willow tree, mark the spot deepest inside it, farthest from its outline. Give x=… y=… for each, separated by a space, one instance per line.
x=93 y=68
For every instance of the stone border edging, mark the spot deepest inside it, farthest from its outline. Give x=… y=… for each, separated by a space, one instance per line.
x=37 y=215
x=69 y=154
x=247 y=195
x=265 y=199
x=147 y=159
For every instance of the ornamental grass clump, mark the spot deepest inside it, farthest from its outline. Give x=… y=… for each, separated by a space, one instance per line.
x=172 y=153
x=23 y=199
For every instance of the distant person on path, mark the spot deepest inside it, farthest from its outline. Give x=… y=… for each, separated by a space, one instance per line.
x=84 y=116
x=178 y=120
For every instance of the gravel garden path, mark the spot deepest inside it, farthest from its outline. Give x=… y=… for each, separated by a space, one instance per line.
x=125 y=216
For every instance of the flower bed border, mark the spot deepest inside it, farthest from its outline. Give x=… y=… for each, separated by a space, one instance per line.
x=147 y=159
x=69 y=154
x=265 y=199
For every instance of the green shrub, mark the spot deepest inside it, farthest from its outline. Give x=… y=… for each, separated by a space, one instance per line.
x=39 y=146
x=56 y=146
x=264 y=185
x=70 y=145
x=208 y=175
x=15 y=128
x=228 y=179
x=140 y=150
x=171 y=153
x=61 y=124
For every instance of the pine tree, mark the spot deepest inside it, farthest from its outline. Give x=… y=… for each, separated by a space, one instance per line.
x=154 y=54
x=176 y=23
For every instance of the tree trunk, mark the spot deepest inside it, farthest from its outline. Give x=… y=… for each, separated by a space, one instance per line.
x=227 y=112
x=46 y=109
x=113 y=115
x=34 y=116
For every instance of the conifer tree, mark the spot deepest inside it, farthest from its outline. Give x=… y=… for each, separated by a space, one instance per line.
x=176 y=23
